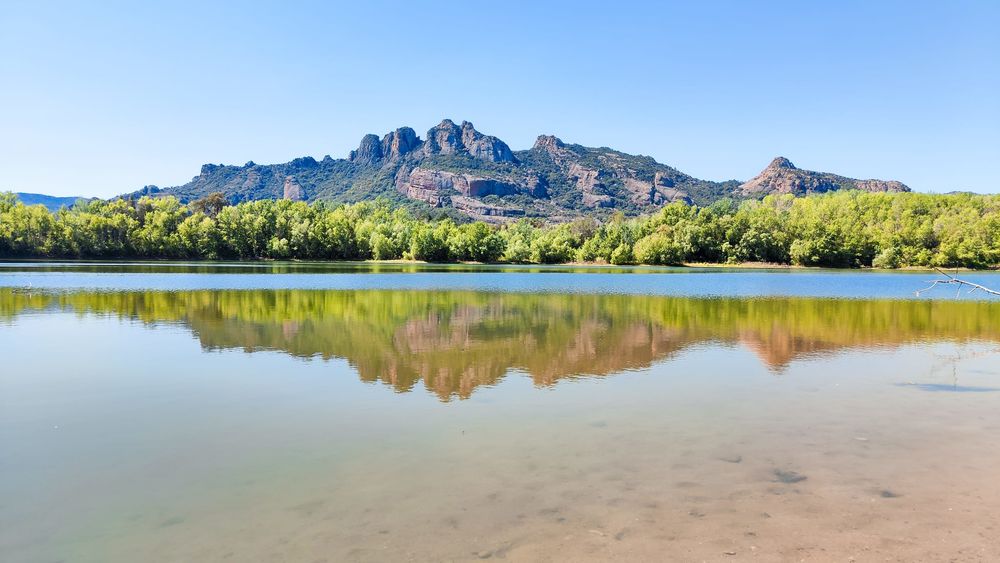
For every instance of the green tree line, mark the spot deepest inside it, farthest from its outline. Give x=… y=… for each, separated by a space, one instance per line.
x=842 y=229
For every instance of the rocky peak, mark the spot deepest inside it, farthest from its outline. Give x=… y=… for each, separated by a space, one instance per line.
x=781 y=162
x=293 y=190
x=469 y=133
x=368 y=152
x=456 y=164
x=444 y=138
x=391 y=147
x=782 y=177
x=549 y=143
x=448 y=138
x=304 y=162
x=485 y=147
x=399 y=142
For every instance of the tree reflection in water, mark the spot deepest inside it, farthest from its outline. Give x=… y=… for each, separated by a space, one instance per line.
x=456 y=341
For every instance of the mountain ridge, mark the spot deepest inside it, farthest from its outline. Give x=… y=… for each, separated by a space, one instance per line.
x=51 y=202
x=783 y=177
x=461 y=170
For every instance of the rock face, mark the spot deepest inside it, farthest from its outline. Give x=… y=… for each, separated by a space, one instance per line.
x=304 y=162
x=427 y=185
x=446 y=138
x=478 y=175
x=390 y=149
x=449 y=139
x=483 y=211
x=433 y=186
x=369 y=151
x=485 y=147
x=590 y=186
x=293 y=190
x=443 y=138
x=399 y=143
x=548 y=143
x=594 y=181
x=880 y=186
x=782 y=177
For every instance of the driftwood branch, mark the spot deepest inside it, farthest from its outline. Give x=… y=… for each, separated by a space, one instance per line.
x=952 y=280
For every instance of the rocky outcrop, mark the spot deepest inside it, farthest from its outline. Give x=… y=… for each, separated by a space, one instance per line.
x=662 y=181
x=658 y=192
x=484 y=211
x=555 y=180
x=549 y=143
x=892 y=186
x=399 y=143
x=600 y=174
x=426 y=185
x=390 y=149
x=648 y=193
x=433 y=186
x=368 y=152
x=642 y=192
x=443 y=138
x=485 y=147
x=209 y=169
x=665 y=187
x=293 y=190
x=482 y=187
x=589 y=183
x=671 y=195
x=447 y=138
x=782 y=177
x=537 y=187
x=434 y=197
x=303 y=162
x=253 y=179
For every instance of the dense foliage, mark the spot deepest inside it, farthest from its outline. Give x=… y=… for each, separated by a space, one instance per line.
x=843 y=229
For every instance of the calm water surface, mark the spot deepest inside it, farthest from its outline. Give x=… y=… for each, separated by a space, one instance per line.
x=172 y=412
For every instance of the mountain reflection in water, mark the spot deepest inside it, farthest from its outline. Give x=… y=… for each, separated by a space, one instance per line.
x=457 y=341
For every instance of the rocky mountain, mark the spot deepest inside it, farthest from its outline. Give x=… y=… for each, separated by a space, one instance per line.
x=782 y=177
x=462 y=171
x=51 y=202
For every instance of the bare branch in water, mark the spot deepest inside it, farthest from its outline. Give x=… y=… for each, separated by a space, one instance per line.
x=952 y=280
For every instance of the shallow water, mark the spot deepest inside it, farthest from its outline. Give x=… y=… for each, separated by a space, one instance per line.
x=619 y=420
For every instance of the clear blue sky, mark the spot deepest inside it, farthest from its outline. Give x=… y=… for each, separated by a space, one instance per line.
x=99 y=98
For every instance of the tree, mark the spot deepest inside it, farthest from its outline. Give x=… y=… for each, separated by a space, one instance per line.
x=429 y=242
x=209 y=205
x=475 y=241
x=517 y=241
x=199 y=237
x=841 y=229
x=554 y=246
x=659 y=248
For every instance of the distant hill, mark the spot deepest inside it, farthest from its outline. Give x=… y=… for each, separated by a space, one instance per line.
x=457 y=168
x=782 y=177
x=53 y=203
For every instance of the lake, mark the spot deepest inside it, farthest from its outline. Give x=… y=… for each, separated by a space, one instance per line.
x=394 y=412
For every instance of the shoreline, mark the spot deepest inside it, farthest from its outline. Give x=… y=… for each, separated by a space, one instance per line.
x=401 y=262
